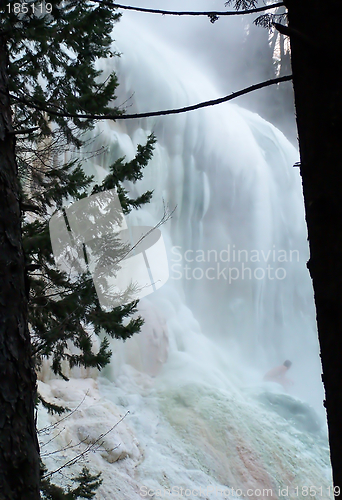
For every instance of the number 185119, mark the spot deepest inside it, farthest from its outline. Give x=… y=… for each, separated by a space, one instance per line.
x=25 y=8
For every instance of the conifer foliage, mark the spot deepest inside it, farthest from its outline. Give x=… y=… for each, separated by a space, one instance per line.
x=86 y=488
x=52 y=49
x=48 y=76
x=65 y=311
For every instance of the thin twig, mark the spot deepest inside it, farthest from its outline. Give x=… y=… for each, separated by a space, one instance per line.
x=41 y=444
x=69 y=446
x=52 y=426
x=87 y=450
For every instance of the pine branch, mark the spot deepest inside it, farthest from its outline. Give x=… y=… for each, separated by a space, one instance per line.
x=51 y=407
x=32 y=267
x=268 y=21
x=210 y=14
x=24 y=131
x=30 y=207
x=88 y=484
x=204 y=104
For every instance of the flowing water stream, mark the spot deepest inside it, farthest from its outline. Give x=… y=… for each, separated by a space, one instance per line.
x=202 y=423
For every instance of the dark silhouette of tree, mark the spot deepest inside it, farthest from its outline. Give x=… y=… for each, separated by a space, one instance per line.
x=47 y=56
x=314 y=31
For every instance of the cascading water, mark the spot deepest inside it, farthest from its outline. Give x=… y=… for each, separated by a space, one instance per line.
x=238 y=301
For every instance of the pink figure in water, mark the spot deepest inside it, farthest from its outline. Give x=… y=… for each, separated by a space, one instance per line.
x=278 y=374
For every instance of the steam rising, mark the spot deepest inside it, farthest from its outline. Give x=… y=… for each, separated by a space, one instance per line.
x=200 y=414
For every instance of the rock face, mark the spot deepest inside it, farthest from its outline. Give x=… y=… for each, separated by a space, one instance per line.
x=95 y=430
x=148 y=351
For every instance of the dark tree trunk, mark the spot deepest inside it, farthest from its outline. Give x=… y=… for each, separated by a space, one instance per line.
x=316 y=45
x=19 y=456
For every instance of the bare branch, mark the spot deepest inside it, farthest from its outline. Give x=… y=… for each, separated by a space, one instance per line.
x=167 y=215
x=52 y=426
x=69 y=446
x=204 y=104
x=89 y=448
x=287 y=31
x=41 y=444
x=210 y=14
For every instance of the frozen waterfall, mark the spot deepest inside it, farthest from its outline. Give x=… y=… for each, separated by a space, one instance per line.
x=238 y=301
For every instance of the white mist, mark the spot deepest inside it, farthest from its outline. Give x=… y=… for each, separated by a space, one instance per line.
x=201 y=416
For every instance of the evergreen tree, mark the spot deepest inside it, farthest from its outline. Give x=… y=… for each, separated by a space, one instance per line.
x=65 y=311
x=87 y=486
x=48 y=52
